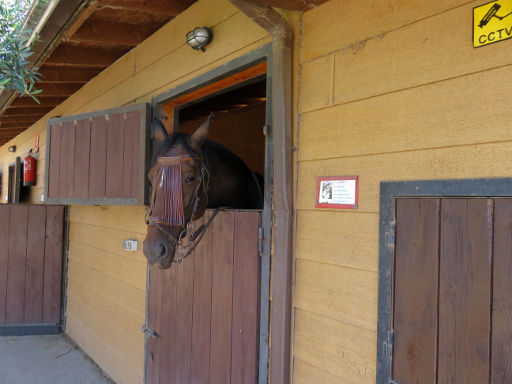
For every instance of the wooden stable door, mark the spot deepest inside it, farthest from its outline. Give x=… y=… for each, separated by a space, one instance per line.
x=204 y=311
x=452 y=314
x=31 y=255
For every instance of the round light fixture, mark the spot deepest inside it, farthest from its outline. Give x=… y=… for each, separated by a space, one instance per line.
x=199 y=37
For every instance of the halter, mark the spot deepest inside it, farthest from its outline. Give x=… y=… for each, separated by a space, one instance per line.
x=161 y=223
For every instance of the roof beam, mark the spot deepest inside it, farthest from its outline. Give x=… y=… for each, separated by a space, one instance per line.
x=115 y=34
x=57 y=89
x=80 y=56
x=163 y=7
x=50 y=74
x=27 y=111
x=19 y=119
x=294 y=5
x=43 y=101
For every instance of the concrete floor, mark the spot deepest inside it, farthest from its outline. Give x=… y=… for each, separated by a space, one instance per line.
x=46 y=360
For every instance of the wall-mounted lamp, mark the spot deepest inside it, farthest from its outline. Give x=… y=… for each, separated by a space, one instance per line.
x=12 y=148
x=199 y=38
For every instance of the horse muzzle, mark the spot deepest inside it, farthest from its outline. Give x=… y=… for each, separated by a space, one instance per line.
x=158 y=252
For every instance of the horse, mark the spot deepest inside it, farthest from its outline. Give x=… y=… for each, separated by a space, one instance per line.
x=188 y=175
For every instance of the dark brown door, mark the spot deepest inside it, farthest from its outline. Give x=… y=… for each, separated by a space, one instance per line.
x=31 y=241
x=205 y=311
x=452 y=314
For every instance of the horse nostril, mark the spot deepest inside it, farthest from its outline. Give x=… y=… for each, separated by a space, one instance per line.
x=163 y=250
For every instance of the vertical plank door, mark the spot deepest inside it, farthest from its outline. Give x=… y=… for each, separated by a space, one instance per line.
x=416 y=290
x=205 y=310
x=31 y=255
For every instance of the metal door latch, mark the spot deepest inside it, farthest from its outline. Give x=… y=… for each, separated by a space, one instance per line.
x=149 y=332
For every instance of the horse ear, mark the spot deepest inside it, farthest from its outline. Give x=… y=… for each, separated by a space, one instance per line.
x=199 y=136
x=159 y=133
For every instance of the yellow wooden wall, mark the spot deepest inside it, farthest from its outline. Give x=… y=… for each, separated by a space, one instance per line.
x=106 y=285
x=388 y=90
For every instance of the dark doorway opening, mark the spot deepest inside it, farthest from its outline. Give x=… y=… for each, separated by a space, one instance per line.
x=238 y=122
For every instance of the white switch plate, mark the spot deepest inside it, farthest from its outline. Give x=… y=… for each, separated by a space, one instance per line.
x=130 y=245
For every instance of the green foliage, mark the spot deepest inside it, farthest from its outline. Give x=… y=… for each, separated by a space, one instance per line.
x=15 y=49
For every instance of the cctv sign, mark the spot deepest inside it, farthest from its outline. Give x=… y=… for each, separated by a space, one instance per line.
x=492 y=22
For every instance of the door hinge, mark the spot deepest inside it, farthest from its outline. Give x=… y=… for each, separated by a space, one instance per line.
x=267 y=130
x=388 y=344
x=390 y=234
x=260 y=241
x=149 y=332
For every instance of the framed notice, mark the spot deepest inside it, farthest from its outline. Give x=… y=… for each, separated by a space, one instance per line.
x=337 y=192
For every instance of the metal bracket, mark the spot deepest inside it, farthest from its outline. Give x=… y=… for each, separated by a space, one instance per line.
x=260 y=241
x=388 y=344
x=390 y=234
x=149 y=332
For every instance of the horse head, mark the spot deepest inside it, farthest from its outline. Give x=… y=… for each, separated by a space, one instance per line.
x=179 y=183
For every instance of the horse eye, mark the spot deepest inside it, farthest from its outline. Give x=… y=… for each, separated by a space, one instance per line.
x=189 y=179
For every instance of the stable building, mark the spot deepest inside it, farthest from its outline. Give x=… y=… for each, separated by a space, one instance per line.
x=382 y=253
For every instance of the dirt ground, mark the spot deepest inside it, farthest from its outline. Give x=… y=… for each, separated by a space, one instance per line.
x=46 y=360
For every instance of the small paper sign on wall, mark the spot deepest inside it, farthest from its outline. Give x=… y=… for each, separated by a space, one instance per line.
x=337 y=192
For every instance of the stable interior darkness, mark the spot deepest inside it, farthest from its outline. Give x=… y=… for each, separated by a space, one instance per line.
x=238 y=122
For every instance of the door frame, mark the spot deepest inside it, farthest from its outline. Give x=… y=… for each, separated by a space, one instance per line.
x=251 y=59
x=16 y=179
x=389 y=192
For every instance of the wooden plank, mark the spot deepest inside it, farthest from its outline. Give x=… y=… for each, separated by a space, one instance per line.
x=124 y=321
x=66 y=75
x=396 y=122
x=360 y=21
x=67 y=160
x=471 y=161
x=130 y=132
x=319 y=340
x=222 y=292
x=294 y=5
x=131 y=299
x=53 y=264
x=90 y=57
x=464 y=290
x=169 y=329
x=344 y=294
x=397 y=62
x=415 y=309
x=202 y=307
x=245 y=326
x=352 y=238
x=305 y=373
x=35 y=264
x=104 y=354
x=4 y=256
x=15 y=303
x=54 y=161
x=115 y=153
x=136 y=126
x=130 y=271
x=501 y=370
x=184 y=305
x=153 y=357
x=111 y=33
x=98 y=158
x=82 y=160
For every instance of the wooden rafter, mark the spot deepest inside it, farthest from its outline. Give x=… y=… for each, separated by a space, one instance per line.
x=170 y=8
x=294 y=5
x=111 y=34
x=91 y=57
x=67 y=75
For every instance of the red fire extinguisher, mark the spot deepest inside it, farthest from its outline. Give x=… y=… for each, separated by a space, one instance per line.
x=29 y=170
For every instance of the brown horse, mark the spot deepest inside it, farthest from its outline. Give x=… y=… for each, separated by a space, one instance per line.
x=190 y=174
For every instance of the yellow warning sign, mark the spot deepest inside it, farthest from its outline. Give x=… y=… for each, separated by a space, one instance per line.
x=492 y=22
